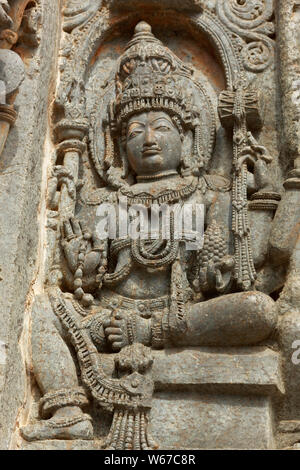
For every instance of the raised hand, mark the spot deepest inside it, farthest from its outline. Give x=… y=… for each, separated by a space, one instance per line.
x=253 y=152
x=257 y=158
x=72 y=236
x=60 y=175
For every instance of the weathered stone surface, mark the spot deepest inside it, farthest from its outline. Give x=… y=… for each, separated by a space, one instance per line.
x=21 y=167
x=193 y=421
x=232 y=371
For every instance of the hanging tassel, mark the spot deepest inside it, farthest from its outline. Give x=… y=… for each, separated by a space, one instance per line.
x=129 y=431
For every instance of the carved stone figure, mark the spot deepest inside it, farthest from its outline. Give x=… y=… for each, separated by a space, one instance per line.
x=124 y=298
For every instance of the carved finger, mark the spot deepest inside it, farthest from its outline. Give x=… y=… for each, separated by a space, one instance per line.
x=68 y=231
x=115 y=338
x=76 y=226
x=117 y=346
x=251 y=139
x=97 y=242
x=247 y=151
x=266 y=157
x=113 y=331
x=117 y=322
x=83 y=226
x=60 y=171
x=245 y=159
x=107 y=323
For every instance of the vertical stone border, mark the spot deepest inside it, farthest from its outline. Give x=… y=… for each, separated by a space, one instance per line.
x=23 y=181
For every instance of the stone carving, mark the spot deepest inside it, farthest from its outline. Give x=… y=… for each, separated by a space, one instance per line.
x=77 y=13
x=250 y=20
x=12 y=67
x=124 y=298
x=5 y=19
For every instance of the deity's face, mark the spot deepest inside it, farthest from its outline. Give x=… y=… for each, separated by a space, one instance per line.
x=153 y=143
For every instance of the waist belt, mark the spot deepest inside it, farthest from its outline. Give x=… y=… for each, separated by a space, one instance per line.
x=143 y=307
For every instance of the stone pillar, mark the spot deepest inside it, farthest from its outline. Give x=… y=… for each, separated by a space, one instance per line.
x=22 y=192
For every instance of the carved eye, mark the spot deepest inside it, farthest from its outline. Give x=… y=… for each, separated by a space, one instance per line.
x=162 y=128
x=134 y=133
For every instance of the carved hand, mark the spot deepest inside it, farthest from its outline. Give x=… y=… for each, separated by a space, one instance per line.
x=60 y=175
x=253 y=152
x=117 y=330
x=73 y=234
x=217 y=276
x=257 y=159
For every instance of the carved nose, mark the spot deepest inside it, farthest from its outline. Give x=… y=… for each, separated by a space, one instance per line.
x=150 y=138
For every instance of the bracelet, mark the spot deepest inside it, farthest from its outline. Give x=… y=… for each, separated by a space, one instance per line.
x=52 y=401
x=131 y=328
x=264 y=201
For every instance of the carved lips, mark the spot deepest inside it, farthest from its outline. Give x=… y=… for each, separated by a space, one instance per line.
x=151 y=151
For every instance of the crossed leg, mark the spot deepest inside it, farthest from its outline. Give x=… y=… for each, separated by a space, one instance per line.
x=240 y=319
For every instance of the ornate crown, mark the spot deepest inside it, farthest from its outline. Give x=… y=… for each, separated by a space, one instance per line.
x=151 y=77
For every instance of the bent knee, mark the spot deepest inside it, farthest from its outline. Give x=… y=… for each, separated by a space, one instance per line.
x=261 y=309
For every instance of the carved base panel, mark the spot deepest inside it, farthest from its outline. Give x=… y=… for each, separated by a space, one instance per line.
x=62 y=445
x=215 y=399
x=223 y=400
x=188 y=420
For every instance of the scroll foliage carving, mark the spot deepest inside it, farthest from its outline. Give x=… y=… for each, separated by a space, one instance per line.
x=77 y=13
x=250 y=21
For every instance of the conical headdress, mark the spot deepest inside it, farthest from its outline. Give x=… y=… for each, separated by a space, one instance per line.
x=151 y=77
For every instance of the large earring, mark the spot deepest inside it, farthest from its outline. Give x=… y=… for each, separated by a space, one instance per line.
x=198 y=154
x=109 y=149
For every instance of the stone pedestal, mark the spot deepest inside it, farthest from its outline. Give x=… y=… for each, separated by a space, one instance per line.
x=215 y=399
x=207 y=399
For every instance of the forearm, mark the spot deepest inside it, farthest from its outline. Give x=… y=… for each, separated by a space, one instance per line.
x=261 y=212
x=286 y=226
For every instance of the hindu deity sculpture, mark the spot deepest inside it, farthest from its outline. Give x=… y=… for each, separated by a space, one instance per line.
x=122 y=297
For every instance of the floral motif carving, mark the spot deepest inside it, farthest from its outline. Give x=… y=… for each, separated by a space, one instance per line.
x=250 y=21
